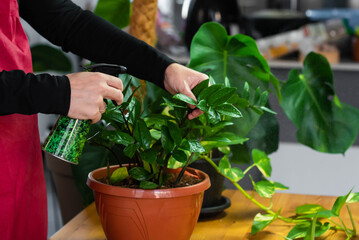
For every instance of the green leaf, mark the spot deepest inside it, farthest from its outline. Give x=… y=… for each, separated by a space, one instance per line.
x=184 y=98
x=321 y=214
x=261 y=160
x=142 y=134
x=166 y=140
x=149 y=155
x=233 y=57
x=118 y=175
x=139 y=173
x=309 y=209
x=46 y=58
x=118 y=137
x=148 y=185
x=180 y=156
x=221 y=96
x=228 y=110
x=175 y=132
x=135 y=109
x=213 y=116
x=339 y=203
x=279 y=186
x=235 y=174
x=193 y=146
x=209 y=92
x=321 y=123
x=173 y=104
x=116 y=12
x=202 y=105
x=299 y=231
x=131 y=149
x=353 y=198
x=265 y=188
x=261 y=221
x=155 y=134
x=199 y=88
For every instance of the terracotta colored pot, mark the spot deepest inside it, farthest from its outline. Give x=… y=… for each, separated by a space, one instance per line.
x=138 y=214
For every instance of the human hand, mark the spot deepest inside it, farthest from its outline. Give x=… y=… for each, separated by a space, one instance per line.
x=88 y=89
x=180 y=79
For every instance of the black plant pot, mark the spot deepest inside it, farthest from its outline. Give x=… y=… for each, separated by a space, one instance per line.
x=213 y=201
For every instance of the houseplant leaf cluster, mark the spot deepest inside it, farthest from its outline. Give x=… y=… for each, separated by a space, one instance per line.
x=154 y=142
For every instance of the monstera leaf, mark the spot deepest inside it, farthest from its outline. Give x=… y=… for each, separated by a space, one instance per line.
x=324 y=123
x=235 y=61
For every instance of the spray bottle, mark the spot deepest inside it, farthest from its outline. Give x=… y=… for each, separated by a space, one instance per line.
x=68 y=137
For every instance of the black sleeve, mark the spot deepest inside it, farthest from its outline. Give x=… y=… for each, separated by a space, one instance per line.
x=83 y=33
x=29 y=93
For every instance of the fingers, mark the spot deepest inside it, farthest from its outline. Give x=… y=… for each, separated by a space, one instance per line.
x=102 y=108
x=113 y=94
x=114 y=82
x=195 y=113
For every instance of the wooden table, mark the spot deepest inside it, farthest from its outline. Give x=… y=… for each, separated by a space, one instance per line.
x=233 y=223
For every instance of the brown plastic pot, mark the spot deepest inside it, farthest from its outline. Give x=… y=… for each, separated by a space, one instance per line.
x=138 y=214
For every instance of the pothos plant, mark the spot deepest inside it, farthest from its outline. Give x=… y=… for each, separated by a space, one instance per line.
x=323 y=122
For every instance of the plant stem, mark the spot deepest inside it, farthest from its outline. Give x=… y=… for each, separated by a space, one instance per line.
x=352 y=220
x=180 y=175
x=346 y=230
x=251 y=198
x=313 y=227
x=109 y=149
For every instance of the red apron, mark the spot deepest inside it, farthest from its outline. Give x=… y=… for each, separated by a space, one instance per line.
x=23 y=207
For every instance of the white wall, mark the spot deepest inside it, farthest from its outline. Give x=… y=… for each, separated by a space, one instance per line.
x=306 y=171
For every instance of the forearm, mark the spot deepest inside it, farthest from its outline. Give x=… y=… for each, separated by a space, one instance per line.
x=30 y=94
x=89 y=36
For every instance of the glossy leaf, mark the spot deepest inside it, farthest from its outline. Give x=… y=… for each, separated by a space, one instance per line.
x=221 y=96
x=304 y=230
x=213 y=116
x=118 y=137
x=198 y=89
x=261 y=221
x=118 y=175
x=149 y=155
x=166 y=139
x=209 y=92
x=172 y=104
x=180 y=156
x=279 y=186
x=309 y=209
x=184 y=98
x=339 y=203
x=202 y=105
x=148 y=185
x=235 y=174
x=299 y=231
x=261 y=160
x=175 y=132
x=142 y=134
x=193 y=146
x=131 y=149
x=265 y=188
x=321 y=123
x=228 y=110
x=139 y=173
x=353 y=198
x=234 y=57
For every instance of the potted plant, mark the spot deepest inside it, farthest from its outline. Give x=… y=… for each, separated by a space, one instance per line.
x=155 y=195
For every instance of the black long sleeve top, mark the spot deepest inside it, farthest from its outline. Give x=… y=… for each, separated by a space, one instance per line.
x=65 y=24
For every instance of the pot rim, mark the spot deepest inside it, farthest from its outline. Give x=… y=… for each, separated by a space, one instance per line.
x=148 y=193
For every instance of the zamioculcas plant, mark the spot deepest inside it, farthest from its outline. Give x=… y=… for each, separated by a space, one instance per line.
x=155 y=142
